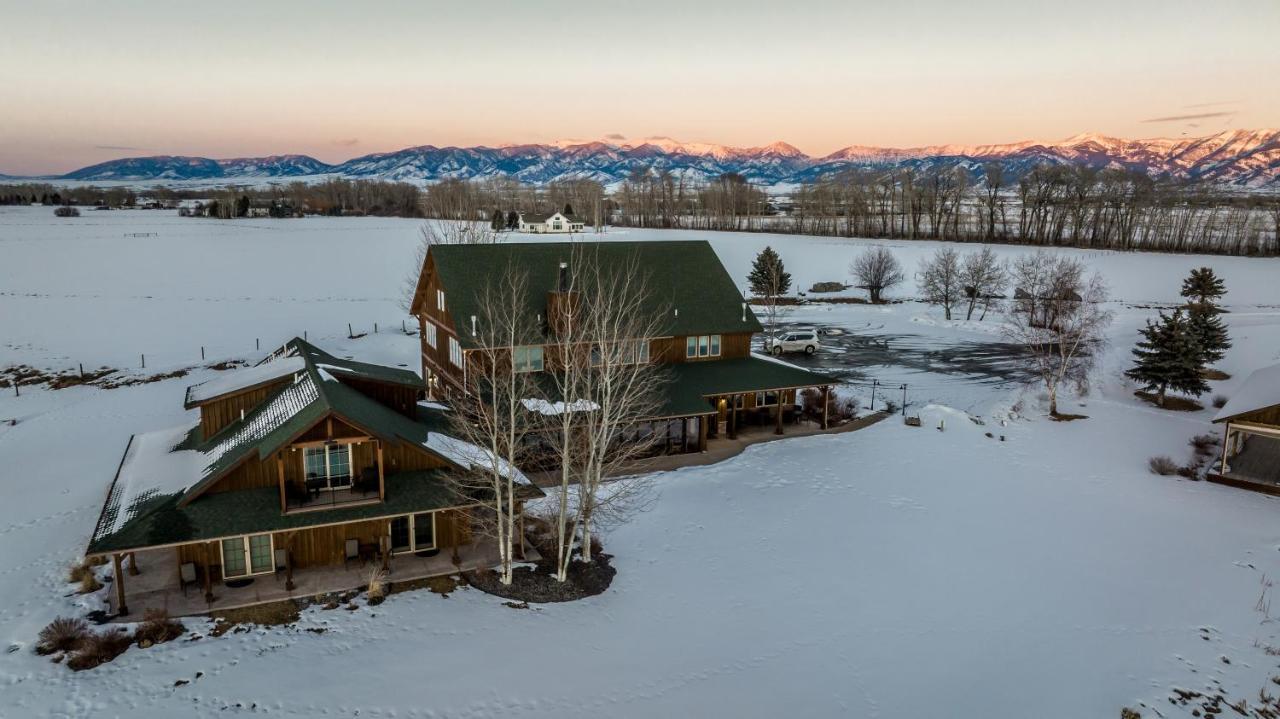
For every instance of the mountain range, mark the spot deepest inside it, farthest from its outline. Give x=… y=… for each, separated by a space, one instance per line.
x=1236 y=158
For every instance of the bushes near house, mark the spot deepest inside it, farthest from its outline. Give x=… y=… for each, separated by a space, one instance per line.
x=83 y=575
x=1162 y=466
x=157 y=627
x=100 y=648
x=1219 y=401
x=377 y=591
x=66 y=211
x=63 y=634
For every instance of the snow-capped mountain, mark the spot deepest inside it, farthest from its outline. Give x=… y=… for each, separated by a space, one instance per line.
x=170 y=167
x=1239 y=158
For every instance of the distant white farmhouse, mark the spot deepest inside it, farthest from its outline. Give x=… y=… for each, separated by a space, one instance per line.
x=555 y=222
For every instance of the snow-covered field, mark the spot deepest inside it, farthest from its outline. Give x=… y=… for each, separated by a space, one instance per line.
x=891 y=572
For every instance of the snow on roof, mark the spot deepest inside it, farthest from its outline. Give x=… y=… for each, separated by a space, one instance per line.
x=151 y=468
x=280 y=409
x=775 y=360
x=1259 y=391
x=550 y=409
x=469 y=456
x=235 y=380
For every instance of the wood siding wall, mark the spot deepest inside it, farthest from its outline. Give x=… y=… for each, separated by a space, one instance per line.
x=398 y=397
x=326 y=546
x=220 y=413
x=1268 y=416
x=435 y=360
x=672 y=349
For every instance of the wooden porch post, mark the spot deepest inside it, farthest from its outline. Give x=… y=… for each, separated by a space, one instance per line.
x=382 y=482
x=684 y=435
x=733 y=416
x=826 y=403
x=288 y=561
x=205 y=553
x=121 y=608
x=778 y=429
x=385 y=542
x=133 y=565
x=284 y=501
x=453 y=536
x=702 y=431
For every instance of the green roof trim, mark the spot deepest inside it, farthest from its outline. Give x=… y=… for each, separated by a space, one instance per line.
x=253 y=511
x=687 y=282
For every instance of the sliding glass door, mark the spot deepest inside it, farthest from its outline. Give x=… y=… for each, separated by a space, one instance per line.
x=413 y=533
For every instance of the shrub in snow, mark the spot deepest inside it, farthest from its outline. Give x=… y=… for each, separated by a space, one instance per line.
x=1204 y=444
x=377 y=586
x=1162 y=466
x=1219 y=401
x=157 y=628
x=63 y=634
x=83 y=575
x=99 y=649
x=66 y=212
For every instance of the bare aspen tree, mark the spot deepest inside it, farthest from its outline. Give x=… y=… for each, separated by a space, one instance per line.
x=983 y=277
x=607 y=388
x=494 y=421
x=876 y=270
x=939 y=279
x=1059 y=316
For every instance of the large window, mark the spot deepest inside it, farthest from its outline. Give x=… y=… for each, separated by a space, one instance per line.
x=455 y=351
x=626 y=352
x=244 y=556
x=327 y=466
x=413 y=533
x=430 y=334
x=527 y=359
x=702 y=346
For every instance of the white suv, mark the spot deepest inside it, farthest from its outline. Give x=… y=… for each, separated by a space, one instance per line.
x=805 y=341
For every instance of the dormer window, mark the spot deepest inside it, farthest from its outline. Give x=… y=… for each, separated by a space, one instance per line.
x=440 y=300
x=702 y=346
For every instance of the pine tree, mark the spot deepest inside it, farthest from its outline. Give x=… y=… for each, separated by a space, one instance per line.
x=1209 y=332
x=513 y=220
x=568 y=210
x=1203 y=287
x=498 y=222
x=768 y=277
x=1168 y=357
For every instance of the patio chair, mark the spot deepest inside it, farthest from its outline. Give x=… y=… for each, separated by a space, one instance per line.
x=352 y=551
x=187 y=575
x=282 y=562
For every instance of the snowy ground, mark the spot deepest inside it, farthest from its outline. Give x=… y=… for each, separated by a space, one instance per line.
x=892 y=572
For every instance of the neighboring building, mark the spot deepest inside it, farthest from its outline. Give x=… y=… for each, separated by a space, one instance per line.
x=303 y=466
x=705 y=338
x=1251 y=434
x=557 y=222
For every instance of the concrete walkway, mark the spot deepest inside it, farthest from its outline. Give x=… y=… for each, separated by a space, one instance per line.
x=722 y=448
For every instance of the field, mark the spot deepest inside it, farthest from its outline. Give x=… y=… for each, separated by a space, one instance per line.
x=1041 y=571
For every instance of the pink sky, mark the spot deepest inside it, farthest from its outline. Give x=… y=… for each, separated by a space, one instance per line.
x=339 y=80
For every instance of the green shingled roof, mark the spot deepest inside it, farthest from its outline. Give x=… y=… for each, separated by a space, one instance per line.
x=163 y=501
x=687 y=283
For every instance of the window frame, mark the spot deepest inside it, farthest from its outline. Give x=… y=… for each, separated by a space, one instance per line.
x=440 y=300
x=455 y=352
x=413 y=533
x=521 y=361
x=431 y=337
x=328 y=476
x=248 y=555
x=699 y=346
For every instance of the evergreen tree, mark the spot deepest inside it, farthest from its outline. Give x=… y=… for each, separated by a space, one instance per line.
x=568 y=210
x=1208 y=331
x=513 y=220
x=1167 y=357
x=1203 y=287
x=768 y=277
x=242 y=206
x=498 y=222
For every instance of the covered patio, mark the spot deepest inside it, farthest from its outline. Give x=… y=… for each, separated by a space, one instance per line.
x=157 y=583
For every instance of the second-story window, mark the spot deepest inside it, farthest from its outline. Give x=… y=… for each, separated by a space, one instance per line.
x=430 y=333
x=455 y=351
x=702 y=346
x=327 y=466
x=527 y=359
x=440 y=300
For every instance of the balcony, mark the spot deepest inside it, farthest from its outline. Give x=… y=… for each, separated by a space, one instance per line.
x=318 y=493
